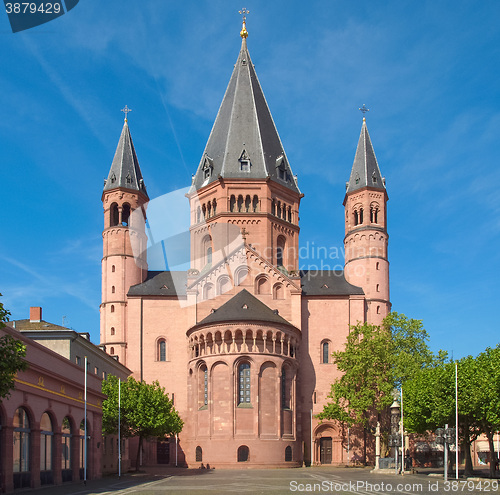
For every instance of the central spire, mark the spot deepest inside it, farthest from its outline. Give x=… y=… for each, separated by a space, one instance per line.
x=244 y=142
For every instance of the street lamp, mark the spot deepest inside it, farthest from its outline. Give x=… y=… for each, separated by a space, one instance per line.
x=394 y=437
x=445 y=436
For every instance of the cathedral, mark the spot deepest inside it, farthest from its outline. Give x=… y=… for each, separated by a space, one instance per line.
x=242 y=340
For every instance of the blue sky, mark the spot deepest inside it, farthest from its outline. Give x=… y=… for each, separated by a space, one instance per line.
x=429 y=72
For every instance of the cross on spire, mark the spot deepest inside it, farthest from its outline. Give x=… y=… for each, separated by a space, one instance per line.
x=244 y=32
x=363 y=110
x=126 y=110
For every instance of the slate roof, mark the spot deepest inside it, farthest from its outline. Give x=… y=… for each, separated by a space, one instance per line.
x=244 y=307
x=365 y=170
x=327 y=283
x=161 y=284
x=27 y=324
x=125 y=171
x=244 y=130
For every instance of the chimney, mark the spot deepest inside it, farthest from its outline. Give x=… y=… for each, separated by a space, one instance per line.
x=35 y=314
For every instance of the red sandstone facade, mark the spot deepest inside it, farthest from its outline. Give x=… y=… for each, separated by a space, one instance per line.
x=243 y=340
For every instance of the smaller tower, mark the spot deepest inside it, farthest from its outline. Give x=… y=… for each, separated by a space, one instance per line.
x=366 y=237
x=124 y=261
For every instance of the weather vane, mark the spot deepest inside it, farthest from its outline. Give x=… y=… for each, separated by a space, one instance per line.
x=363 y=110
x=244 y=32
x=126 y=110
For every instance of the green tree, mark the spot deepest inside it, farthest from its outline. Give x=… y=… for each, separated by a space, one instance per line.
x=376 y=360
x=13 y=352
x=429 y=400
x=146 y=411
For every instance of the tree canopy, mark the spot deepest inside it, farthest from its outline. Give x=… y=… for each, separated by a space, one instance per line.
x=429 y=399
x=146 y=410
x=13 y=352
x=375 y=360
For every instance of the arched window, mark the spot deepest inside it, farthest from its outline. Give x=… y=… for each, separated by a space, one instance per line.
x=288 y=454
x=232 y=203
x=356 y=218
x=113 y=215
x=21 y=449
x=113 y=269
x=278 y=292
x=214 y=207
x=280 y=250
x=290 y=214
x=204 y=211
x=361 y=215
x=248 y=202
x=325 y=352
x=243 y=453
x=125 y=214
x=255 y=203
x=67 y=473
x=112 y=330
x=278 y=209
x=223 y=284
x=208 y=291
x=162 y=350
x=209 y=209
x=112 y=308
x=113 y=289
x=199 y=454
x=263 y=285
x=244 y=383
x=285 y=389
x=378 y=288
x=46 y=449
x=203 y=386
x=273 y=207
x=209 y=255
x=112 y=351
x=240 y=203
x=378 y=310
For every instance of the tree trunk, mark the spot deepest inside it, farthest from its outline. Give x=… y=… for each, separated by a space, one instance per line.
x=138 y=457
x=489 y=434
x=364 y=446
x=468 y=459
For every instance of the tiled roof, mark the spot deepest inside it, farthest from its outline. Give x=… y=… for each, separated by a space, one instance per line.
x=327 y=283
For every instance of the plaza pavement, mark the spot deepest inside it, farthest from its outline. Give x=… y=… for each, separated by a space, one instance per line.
x=328 y=480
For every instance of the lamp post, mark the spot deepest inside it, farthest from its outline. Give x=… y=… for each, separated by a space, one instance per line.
x=395 y=437
x=445 y=436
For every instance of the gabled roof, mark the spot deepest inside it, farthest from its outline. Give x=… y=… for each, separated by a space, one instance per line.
x=125 y=171
x=327 y=283
x=161 y=284
x=244 y=131
x=365 y=170
x=244 y=307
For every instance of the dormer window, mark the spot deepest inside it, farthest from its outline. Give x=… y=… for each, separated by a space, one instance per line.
x=281 y=170
x=245 y=162
x=207 y=167
x=374 y=178
x=357 y=179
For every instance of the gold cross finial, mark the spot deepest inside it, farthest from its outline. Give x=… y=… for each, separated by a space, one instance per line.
x=126 y=110
x=244 y=32
x=363 y=110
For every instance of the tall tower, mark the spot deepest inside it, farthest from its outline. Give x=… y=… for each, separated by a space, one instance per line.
x=366 y=237
x=124 y=261
x=244 y=178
